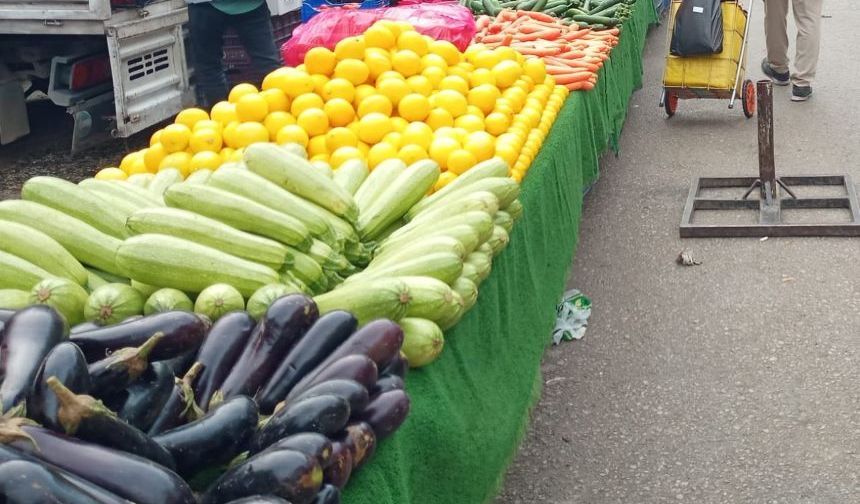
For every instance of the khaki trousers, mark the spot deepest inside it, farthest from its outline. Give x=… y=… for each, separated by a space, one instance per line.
x=807 y=17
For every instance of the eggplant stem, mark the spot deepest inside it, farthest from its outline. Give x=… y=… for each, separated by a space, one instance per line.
x=75 y=407
x=192 y=411
x=11 y=431
x=136 y=359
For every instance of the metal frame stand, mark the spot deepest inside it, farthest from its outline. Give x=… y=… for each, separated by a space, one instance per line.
x=770 y=204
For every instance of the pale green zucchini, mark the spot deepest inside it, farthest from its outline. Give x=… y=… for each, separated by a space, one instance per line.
x=40 y=249
x=379 y=179
x=259 y=189
x=16 y=273
x=299 y=177
x=432 y=299
x=393 y=202
x=482 y=201
x=351 y=174
x=380 y=298
x=445 y=266
x=86 y=243
x=495 y=167
x=164 y=179
x=210 y=232
x=167 y=261
x=239 y=212
x=76 y=202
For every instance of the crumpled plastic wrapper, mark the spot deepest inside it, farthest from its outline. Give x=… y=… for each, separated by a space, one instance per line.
x=571 y=317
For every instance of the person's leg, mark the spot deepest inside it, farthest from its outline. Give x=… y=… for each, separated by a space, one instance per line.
x=807 y=16
x=776 y=34
x=207 y=25
x=255 y=31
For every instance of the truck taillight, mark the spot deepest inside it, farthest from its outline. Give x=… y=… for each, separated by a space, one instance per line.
x=89 y=72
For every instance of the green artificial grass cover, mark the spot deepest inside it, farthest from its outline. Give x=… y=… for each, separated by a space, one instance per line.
x=470 y=408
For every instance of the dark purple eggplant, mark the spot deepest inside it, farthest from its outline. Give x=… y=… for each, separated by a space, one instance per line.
x=86 y=418
x=260 y=499
x=286 y=473
x=310 y=443
x=179 y=406
x=24 y=482
x=131 y=477
x=361 y=440
x=183 y=332
x=379 y=340
x=387 y=384
x=329 y=332
x=214 y=439
x=84 y=327
x=324 y=414
x=355 y=393
x=285 y=321
x=145 y=397
x=354 y=367
x=220 y=350
x=328 y=494
x=100 y=495
x=398 y=366
x=5 y=314
x=27 y=338
x=340 y=468
x=386 y=412
x=121 y=368
x=180 y=364
x=67 y=363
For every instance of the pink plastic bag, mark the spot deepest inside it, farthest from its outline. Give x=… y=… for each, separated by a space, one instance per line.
x=443 y=21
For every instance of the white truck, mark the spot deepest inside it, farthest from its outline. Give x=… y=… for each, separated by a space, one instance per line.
x=117 y=66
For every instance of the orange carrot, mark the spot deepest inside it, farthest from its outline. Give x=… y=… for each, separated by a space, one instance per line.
x=541 y=35
x=569 y=78
x=540 y=16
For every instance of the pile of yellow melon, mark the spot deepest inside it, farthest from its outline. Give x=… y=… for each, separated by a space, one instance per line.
x=390 y=92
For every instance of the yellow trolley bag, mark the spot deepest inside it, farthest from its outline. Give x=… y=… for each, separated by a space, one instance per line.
x=715 y=75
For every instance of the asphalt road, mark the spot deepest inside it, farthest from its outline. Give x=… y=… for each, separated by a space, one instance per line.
x=736 y=381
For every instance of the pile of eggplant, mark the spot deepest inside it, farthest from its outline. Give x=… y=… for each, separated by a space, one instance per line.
x=171 y=409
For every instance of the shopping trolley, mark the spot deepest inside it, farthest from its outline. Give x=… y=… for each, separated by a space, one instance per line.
x=715 y=76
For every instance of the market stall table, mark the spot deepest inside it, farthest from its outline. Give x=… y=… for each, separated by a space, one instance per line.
x=470 y=408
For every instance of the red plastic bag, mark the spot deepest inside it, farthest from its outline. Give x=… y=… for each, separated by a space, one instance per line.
x=443 y=21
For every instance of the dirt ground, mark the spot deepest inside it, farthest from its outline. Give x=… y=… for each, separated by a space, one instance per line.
x=46 y=151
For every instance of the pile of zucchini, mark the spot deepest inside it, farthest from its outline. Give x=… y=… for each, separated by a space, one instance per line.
x=171 y=409
x=595 y=14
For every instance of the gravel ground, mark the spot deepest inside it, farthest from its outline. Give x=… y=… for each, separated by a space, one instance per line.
x=731 y=382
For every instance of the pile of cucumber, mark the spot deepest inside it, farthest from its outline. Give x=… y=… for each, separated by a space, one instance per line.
x=598 y=14
x=595 y=14
x=171 y=409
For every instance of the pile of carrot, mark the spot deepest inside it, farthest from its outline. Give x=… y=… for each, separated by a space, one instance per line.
x=573 y=56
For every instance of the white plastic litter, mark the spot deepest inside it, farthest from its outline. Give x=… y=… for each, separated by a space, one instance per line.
x=571 y=317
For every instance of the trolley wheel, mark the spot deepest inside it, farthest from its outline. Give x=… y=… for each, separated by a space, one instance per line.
x=748 y=98
x=670 y=103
